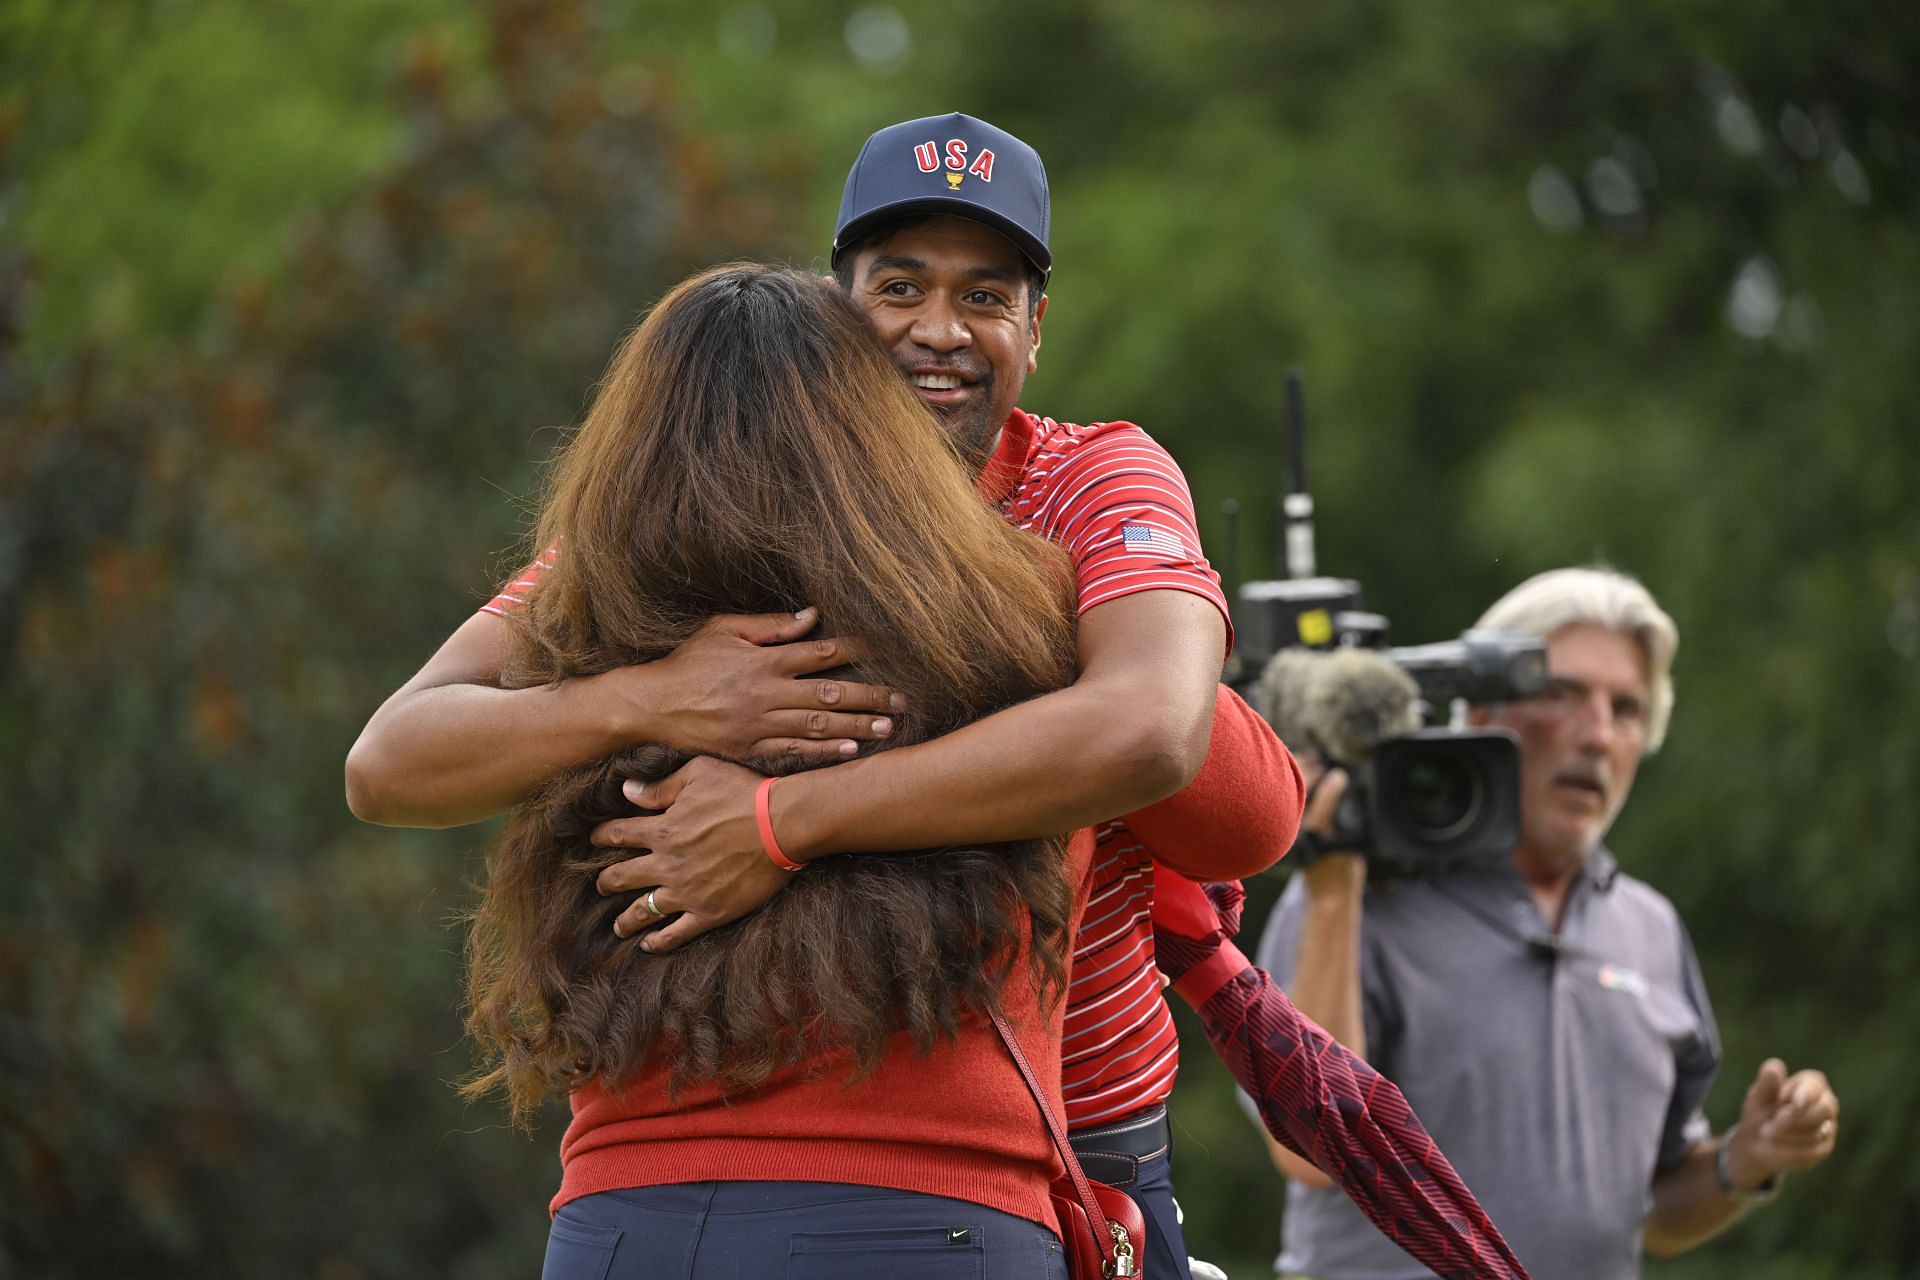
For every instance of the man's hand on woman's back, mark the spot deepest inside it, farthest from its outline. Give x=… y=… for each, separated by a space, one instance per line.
x=748 y=686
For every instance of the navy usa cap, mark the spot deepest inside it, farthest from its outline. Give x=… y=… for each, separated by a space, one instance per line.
x=951 y=164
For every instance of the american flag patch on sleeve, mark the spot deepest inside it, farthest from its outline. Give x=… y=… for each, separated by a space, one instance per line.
x=1141 y=539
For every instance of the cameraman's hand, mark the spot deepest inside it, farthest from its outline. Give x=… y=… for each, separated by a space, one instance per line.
x=737 y=688
x=1787 y=1123
x=1331 y=875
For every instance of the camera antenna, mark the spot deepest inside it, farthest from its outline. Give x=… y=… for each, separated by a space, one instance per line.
x=1296 y=506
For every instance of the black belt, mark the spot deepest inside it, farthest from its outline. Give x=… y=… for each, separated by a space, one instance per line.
x=1112 y=1153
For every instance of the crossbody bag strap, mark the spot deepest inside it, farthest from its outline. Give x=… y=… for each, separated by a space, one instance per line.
x=1102 y=1234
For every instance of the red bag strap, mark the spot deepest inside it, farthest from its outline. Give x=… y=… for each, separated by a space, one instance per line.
x=1102 y=1234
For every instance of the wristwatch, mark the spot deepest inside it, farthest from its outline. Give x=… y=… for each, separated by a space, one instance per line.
x=1753 y=1195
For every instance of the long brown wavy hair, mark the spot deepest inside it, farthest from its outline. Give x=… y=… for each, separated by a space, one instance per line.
x=753 y=449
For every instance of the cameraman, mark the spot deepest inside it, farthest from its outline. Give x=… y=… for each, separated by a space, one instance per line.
x=1546 y=1019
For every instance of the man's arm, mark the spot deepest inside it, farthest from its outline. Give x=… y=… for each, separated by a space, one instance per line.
x=1786 y=1123
x=451 y=746
x=1132 y=729
x=1324 y=978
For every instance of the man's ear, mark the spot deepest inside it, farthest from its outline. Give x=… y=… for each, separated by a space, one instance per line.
x=1033 y=334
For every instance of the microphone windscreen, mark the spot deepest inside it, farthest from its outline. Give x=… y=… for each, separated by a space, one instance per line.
x=1280 y=694
x=1343 y=703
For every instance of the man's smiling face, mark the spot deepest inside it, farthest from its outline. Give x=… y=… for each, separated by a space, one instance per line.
x=949 y=298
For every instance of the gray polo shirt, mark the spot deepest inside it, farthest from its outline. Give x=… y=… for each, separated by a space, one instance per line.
x=1557 y=1073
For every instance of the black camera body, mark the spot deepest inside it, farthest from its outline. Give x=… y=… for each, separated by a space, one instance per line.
x=1429 y=800
x=1422 y=798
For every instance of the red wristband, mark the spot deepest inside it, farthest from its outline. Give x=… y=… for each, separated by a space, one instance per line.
x=764 y=820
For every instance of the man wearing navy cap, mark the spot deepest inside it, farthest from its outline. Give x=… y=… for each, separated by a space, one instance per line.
x=954 y=191
x=942 y=240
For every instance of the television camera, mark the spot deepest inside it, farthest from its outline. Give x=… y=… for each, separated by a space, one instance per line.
x=1423 y=796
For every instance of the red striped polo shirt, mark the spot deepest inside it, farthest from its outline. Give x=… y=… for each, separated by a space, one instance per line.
x=1109 y=495
x=1119 y=1053
x=514 y=593
x=1120 y=506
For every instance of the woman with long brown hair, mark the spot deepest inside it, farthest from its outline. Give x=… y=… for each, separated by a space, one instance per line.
x=814 y=1088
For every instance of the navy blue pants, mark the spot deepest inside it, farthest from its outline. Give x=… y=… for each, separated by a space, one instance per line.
x=1166 y=1251
x=799 y=1230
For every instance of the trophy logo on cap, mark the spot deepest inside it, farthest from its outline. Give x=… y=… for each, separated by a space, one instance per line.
x=927 y=156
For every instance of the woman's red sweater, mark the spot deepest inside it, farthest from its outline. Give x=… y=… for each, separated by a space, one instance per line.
x=957 y=1122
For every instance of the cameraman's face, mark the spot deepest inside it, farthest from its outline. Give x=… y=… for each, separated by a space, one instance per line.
x=1580 y=743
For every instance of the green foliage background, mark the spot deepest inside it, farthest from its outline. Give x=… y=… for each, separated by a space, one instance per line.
x=292 y=298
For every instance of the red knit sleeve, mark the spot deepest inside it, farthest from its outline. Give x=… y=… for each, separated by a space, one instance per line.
x=1242 y=811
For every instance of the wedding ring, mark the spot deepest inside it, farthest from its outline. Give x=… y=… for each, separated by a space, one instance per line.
x=652 y=905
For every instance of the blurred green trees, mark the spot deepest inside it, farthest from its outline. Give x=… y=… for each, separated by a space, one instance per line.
x=289 y=297
x=229 y=1008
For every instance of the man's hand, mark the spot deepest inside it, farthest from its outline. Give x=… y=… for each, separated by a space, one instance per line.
x=737 y=689
x=1331 y=875
x=705 y=863
x=1787 y=1123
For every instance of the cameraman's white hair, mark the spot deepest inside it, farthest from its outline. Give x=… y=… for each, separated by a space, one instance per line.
x=1606 y=598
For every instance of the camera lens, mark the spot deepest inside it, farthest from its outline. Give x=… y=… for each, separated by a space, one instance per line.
x=1442 y=795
